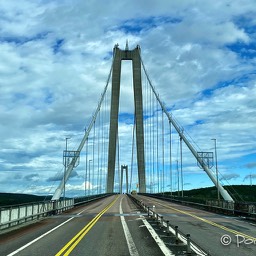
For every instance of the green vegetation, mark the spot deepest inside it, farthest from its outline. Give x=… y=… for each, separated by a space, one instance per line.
x=12 y=199
x=240 y=193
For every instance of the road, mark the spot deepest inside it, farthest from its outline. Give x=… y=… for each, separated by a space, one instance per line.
x=115 y=226
x=111 y=226
x=217 y=234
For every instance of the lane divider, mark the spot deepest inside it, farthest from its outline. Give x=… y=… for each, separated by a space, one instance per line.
x=131 y=245
x=69 y=247
x=207 y=221
x=43 y=235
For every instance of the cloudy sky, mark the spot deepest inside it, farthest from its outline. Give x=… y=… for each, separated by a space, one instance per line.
x=55 y=58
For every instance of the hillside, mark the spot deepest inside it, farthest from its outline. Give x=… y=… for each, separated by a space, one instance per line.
x=12 y=199
x=238 y=192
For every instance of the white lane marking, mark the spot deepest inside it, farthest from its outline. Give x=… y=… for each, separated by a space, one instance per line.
x=43 y=235
x=157 y=239
x=131 y=245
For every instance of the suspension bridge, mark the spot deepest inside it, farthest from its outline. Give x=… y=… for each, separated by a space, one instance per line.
x=148 y=155
x=138 y=147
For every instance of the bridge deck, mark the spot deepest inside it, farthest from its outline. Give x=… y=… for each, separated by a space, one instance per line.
x=207 y=229
x=114 y=226
x=100 y=234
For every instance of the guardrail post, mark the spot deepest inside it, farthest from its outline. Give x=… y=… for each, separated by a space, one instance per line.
x=167 y=228
x=162 y=221
x=143 y=205
x=188 y=244
x=10 y=217
x=18 y=219
x=176 y=234
x=148 y=212
x=54 y=207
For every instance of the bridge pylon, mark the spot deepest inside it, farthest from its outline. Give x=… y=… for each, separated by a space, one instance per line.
x=134 y=56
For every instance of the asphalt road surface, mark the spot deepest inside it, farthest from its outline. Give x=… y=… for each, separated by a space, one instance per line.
x=219 y=235
x=111 y=226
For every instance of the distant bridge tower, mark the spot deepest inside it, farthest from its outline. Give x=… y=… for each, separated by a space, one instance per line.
x=124 y=168
x=120 y=55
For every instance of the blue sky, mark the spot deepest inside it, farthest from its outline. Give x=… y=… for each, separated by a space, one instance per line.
x=54 y=63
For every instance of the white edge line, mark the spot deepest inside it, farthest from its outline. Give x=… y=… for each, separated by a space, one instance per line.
x=157 y=239
x=43 y=235
x=131 y=245
x=194 y=247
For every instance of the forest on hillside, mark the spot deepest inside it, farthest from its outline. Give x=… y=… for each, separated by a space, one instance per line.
x=240 y=193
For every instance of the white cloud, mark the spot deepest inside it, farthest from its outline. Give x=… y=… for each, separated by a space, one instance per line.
x=56 y=56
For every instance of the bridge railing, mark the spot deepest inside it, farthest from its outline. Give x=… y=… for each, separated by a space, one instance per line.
x=14 y=215
x=244 y=209
x=176 y=236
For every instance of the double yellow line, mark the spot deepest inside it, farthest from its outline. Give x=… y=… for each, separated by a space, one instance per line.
x=208 y=221
x=69 y=247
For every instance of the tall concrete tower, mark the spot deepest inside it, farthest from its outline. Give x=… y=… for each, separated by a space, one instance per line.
x=134 y=56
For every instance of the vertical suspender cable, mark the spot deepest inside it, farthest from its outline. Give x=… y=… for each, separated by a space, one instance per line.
x=150 y=140
x=118 y=161
x=105 y=141
x=146 y=129
x=86 y=167
x=98 y=139
x=89 y=176
x=223 y=192
x=102 y=149
x=153 y=148
x=163 y=149
x=181 y=169
x=58 y=191
x=178 y=175
x=170 y=124
x=93 y=157
x=157 y=151
x=150 y=171
x=153 y=140
x=101 y=152
x=134 y=122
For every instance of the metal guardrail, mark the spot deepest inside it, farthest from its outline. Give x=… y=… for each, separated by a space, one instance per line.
x=179 y=236
x=246 y=210
x=11 y=216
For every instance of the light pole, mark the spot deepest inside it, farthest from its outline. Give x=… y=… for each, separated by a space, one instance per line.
x=85 y=184
x=216 y=166
x=65 y=168
x=178 y=177
x=181 y=167
x=89 y=175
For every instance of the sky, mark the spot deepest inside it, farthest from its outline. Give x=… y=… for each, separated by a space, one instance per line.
x=55 y=58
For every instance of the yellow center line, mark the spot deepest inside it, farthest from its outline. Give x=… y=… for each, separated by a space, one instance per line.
x=69 y=247
x=207 y=221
